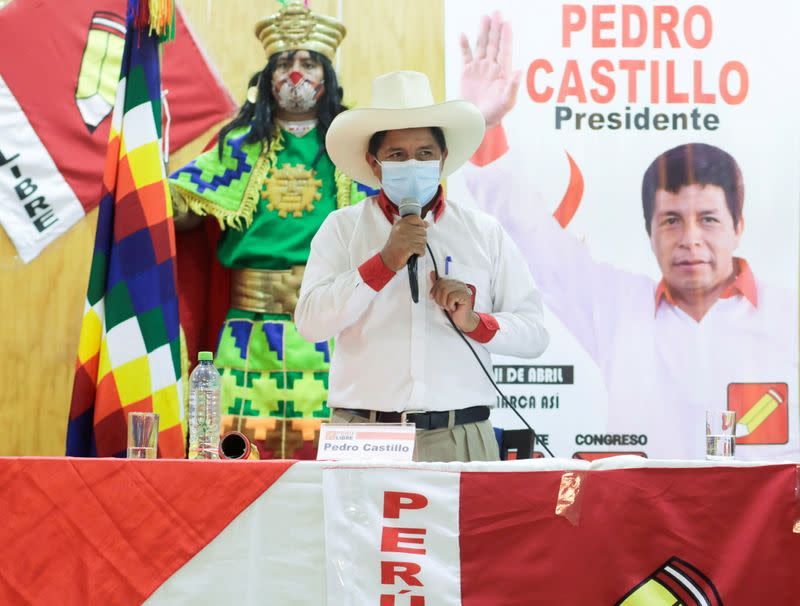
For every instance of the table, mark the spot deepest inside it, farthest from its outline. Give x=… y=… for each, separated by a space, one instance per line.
x=622 y=531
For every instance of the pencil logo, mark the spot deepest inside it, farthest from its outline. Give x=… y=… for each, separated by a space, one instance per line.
x=100 y=67
x=675 y=583
x=762 y=411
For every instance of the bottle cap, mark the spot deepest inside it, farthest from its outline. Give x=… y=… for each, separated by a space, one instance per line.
x=205 y=356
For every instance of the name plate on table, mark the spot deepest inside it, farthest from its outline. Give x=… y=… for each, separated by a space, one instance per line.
x=366 y=441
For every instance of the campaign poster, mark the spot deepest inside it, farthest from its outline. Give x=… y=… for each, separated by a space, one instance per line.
x=655 y=316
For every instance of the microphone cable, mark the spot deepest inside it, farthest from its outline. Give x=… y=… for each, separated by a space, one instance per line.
x=483 y=368
x=413 y=280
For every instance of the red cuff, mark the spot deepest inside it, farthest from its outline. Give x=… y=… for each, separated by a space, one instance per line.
x=485 y=330
x=375 y=273
x=493 y=146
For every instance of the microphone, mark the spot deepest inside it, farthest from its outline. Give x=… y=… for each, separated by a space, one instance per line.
x=411 y=206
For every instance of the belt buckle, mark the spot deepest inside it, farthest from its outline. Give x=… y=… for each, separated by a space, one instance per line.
x=405 y=413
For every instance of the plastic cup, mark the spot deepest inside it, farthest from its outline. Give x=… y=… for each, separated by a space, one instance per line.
x=720 y=435
x=142 y=435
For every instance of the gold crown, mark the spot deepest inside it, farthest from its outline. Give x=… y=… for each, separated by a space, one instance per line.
x=295 y=27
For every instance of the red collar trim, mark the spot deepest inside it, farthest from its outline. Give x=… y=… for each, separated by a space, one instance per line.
x=390 y=209
x=744 y=284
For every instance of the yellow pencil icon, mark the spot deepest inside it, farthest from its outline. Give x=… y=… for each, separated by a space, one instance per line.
x=758 y=413
x=100 y=66
x=675 y=583
x=652 y=593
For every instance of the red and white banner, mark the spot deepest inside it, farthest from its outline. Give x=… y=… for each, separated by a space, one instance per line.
x=36 y=203
x=392 y=538
x=587 y=535
x=605 y=89
x=624 y=531
x=57 y=90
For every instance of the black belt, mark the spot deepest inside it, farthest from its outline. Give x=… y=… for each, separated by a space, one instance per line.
x=425 y=420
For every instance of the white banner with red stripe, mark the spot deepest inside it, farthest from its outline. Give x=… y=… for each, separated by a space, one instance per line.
x=392 y=538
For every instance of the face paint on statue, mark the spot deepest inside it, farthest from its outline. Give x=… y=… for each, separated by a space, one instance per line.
x=297 y=95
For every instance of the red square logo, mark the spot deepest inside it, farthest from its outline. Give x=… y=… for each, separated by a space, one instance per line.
x=762 y=412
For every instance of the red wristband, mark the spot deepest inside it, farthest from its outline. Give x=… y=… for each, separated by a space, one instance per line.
x=375 y=273
x=486 y=329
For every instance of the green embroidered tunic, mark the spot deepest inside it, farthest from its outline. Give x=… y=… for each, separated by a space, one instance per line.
x=273 y=199
x=277 y=239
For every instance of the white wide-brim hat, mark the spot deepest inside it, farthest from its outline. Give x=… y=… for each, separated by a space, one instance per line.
x=402 y=100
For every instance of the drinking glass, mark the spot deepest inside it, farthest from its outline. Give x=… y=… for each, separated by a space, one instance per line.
x=720 y=435
x=142 y=435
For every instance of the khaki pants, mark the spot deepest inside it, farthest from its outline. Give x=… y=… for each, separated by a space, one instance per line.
x=469 y=442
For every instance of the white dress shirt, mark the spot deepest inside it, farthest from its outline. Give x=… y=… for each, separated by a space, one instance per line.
x=662 y=368
x=391 y=354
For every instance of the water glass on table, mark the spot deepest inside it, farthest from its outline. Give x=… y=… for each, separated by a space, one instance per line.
x=720 y=435
x=142 y=435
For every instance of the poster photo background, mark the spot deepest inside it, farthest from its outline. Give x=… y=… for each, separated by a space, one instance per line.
x=724 y=65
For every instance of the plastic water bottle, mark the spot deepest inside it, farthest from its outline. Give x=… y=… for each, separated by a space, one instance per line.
x=204 y=414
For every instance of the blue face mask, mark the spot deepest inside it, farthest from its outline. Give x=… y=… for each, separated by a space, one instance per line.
x=417 y=179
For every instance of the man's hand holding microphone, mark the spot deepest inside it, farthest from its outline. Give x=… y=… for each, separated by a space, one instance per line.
x=408 y=238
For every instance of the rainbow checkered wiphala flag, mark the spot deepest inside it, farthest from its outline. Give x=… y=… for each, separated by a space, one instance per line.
x=129 y=357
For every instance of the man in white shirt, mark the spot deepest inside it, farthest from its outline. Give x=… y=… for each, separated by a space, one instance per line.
x=395 y=359
x=707 y=336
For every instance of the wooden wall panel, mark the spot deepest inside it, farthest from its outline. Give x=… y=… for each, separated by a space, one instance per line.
x=41 y=306
x=388 y=35
x=41 y=303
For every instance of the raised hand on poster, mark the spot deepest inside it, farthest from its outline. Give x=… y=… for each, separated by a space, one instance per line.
x=487 y=79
